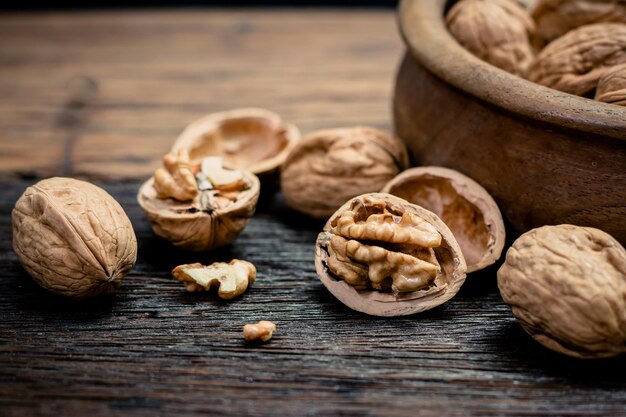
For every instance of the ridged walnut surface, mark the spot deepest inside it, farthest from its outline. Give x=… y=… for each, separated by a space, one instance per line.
x=566 y=286
x=500 y=32
x=73 y=238
x=556 y=17
x=330 y=166
x=576 y=61
x=612 y=87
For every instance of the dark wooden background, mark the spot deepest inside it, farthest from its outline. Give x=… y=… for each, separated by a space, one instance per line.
x=101 y=96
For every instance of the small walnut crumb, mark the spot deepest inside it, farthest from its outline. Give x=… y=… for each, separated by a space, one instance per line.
x=259 y=332
x=176 y=180
x=232 y=279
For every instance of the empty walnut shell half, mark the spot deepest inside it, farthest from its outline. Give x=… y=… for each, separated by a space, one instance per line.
x=207 y=221
x=251 y=139
x=383 y=256
x=330 y=166
x=464 y=205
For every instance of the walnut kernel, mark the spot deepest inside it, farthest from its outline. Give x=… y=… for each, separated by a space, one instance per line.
x=232 y=279
x=384 y=256
x=259 y=332
x=176 y=180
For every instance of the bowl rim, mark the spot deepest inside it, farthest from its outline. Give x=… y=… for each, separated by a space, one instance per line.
x=443 y=56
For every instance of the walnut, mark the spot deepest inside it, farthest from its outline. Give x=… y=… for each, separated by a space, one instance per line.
x=566 y=286
x=254 y=140
x=612 y=86
x=225 y=201
x=259 y=332
x=384 y=256
x=73 y=238
x=465 y=207
x=232 y=279
x=576 y=61
x=556 y=17
x=176 y=180
x=500 y=32
x=330 y=166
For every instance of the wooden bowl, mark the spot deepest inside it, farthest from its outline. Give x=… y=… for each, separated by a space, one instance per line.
x=547 y=157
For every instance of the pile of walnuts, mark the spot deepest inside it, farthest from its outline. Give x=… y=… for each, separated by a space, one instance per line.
x=396 y=241
x=575 y=46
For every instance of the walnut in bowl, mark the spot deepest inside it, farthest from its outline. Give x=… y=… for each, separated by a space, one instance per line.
x=465 y=207
x=383 y=256
x=251 y=139
x=198 y=206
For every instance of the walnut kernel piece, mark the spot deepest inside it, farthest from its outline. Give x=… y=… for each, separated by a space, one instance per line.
x=330 y=166
x=464 y=205
x=73 y=238
x=254 y=140
x=219 y=177
x=557 y=17
x=413 y=265
x=612 y=86
x=576 y=61
x=259 y=332
x=500 y=32
x=566 y=285
x=214 y=218
x=232 y=279
x=176 y=180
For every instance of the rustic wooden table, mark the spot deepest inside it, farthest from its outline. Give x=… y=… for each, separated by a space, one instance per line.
x=101 y=96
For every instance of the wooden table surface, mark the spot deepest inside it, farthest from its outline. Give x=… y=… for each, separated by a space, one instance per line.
x=101 y=96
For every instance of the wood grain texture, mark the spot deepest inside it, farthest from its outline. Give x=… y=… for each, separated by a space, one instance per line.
x=155 y=350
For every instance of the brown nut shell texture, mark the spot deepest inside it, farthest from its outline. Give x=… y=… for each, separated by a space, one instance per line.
x=566 y=285
x=465 y=207
x=73 y=238
x=500 y=32
x=381 y=255
x=557 y=17
x=612 y=86
x=331 y=166
x=576 y=61
x=251 y=139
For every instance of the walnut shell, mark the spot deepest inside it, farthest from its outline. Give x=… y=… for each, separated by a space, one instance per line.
x=554 y=18
x=331 y=166
x=566 y=286
x=73 y=238
x=576 y=61
x=465 y=207
x=612 y=86
x=251 y=139
x=387 y=232
x=500 y=32
x=191 y=224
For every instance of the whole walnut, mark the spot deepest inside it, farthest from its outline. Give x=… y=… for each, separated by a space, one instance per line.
x=556 y=17
x=566 y=286
x=500 y=32
x=612 y=86
x=576 y=61
x=330 y=166
x=73 y=238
